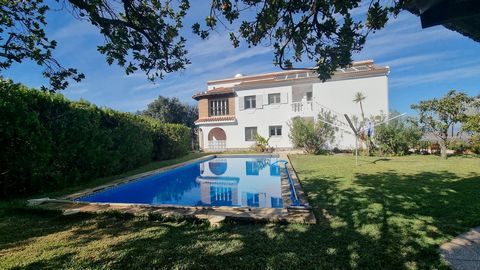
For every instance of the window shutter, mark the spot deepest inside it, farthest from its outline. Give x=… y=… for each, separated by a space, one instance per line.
x=241 y=105
x=283 y=97
x=259 y=101
x=265 y=99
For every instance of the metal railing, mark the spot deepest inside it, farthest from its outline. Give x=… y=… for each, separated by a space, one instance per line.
x=294 y=197
x=217 y=145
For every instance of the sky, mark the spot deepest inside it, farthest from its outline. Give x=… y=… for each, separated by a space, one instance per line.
x=424 y=63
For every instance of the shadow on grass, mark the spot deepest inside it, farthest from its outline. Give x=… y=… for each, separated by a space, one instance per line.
x=385 y=220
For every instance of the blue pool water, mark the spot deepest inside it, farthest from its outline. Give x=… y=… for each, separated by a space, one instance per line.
x=222 y=181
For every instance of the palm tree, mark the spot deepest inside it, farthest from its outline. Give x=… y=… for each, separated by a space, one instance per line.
x=358 y=98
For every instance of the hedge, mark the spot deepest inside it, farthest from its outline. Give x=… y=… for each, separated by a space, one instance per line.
x=48 y=142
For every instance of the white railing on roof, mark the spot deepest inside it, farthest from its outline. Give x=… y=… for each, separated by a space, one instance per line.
x=302 y=106
x=217 y=145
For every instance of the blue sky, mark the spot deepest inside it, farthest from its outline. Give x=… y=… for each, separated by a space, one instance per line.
x=425 y=63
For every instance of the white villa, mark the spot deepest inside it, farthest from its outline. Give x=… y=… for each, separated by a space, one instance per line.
x=233 y=110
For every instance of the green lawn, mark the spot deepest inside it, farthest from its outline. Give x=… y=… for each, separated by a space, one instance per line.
x=389 y=213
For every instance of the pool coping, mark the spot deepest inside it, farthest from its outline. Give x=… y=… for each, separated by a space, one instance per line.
x=297 y=214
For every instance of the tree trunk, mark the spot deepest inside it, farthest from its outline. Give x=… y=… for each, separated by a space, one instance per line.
x=443 y=150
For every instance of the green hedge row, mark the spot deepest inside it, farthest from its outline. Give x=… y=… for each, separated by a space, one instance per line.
x=48 y=142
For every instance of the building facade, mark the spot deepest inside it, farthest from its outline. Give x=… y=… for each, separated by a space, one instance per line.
x=232 y=111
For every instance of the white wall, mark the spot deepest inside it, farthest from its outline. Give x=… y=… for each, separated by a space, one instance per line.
x=339 y=95
x=336 y=95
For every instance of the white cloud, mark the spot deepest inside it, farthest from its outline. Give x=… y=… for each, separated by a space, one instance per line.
x=75 y=29
x=414 y=60
x=146 y=86
x=466 y=71
x=227 y=60
x=395 y=40
x=214 y=45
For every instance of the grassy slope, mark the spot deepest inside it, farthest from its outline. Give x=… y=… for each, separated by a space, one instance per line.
x=387 y=213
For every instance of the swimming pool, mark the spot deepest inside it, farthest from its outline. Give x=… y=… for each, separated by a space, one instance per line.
x=247 y=181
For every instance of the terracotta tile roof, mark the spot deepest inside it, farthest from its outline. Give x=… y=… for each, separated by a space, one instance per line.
x=214 y=91
x=216 y=119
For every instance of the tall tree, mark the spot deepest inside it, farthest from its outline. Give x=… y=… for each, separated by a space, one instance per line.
x=437 y=116
x=359 y=98
x=171 y=110
x=146 y=35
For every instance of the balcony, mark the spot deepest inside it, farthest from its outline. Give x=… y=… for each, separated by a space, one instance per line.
x=302 y=108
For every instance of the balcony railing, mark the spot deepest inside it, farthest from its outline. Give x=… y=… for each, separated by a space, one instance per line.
x=302 y=106
x=217 y=145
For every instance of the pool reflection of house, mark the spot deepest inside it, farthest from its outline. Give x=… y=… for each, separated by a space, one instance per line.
x=220 y=183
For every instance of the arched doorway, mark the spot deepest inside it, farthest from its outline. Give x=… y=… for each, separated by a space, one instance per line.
x=217 y=139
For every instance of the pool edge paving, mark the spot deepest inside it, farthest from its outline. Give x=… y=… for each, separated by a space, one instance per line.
x=301 y=213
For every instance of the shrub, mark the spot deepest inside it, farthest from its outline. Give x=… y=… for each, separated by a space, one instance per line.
x=474 y=143
x=396 y=137
x=313 y=137
x=459 y=146
x=170 y=140
x=262 y=144
x=48 y=142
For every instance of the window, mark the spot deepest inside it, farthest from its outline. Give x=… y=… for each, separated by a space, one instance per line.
x=275 y=131
x=275 y=170
x=250 y=102
x=250 y=133
x=218 y=107
x=252 y=168
x=299 y=92
x=253 y=199
x=276 y=202
x=309 y=96
x=274 y=98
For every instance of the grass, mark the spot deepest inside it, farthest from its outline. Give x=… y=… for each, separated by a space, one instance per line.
x=388 y=213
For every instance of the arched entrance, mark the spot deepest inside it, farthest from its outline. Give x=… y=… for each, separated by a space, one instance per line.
x=217 y=139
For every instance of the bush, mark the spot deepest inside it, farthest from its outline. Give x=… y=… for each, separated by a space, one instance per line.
x=48 y=142
x=313 y=137
x=170 y=140
x=397 y=137
x=474 y=144
x=262 y=144
x=459 y=146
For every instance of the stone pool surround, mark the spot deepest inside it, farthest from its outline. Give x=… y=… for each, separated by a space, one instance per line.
x=295 y=214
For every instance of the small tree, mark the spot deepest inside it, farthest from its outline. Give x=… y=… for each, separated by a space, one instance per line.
x=397 y=136
x=313 y=137
x=438 y=116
